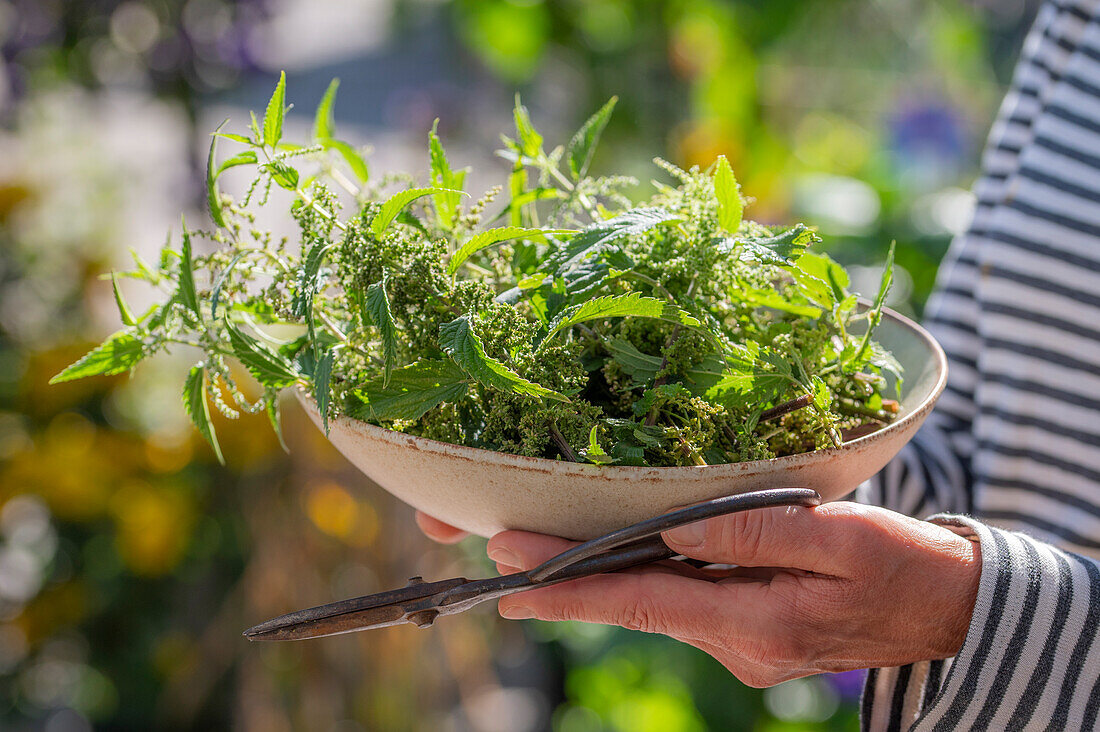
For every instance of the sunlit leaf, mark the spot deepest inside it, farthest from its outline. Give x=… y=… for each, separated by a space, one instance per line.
x=485 y=239
x=583 y=144
x=123 y=308
x=269 y=368
x=276 y=110
x=396 y=203
x=458 y=339
x=618 y=306
x=323 y=126
x=412 y=391
x=378 y=308
x=121 y=352
x=728 y=193
x=187 y=295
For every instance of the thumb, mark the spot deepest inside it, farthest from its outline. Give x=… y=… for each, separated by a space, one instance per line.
x=794 y=537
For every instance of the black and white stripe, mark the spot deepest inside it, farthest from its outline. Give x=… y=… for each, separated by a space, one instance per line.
x=1015 y=439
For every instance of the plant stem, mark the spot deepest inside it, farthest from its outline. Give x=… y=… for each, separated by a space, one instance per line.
x=562 y=445
x=793 y=405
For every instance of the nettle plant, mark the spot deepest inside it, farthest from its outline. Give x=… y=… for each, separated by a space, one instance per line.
x=565 y=322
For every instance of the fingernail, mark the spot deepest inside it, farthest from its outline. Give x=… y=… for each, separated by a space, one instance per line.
x=517 y=612
x=500 y=555
x=690 y=535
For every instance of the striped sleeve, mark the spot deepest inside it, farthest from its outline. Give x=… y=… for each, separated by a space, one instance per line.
x=1029 y=661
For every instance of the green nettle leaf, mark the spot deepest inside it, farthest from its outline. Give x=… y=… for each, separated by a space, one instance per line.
x=351 y=156
x=728 y=193
x=284 y=175
x=378 y=307
x=485 y=239
x=821 y=395
x=123 y=308
x=308 y=284
x=599 y=235
x=322 y=374
x=594 y=453
x=530 y=141
x=213 y=195
x=194 y=403
x=397 y=203
x=782 y=249
x=188 y=297
x=276 y=110
x=269 y=368
x=412 y=391
x=442 y=176
x=248 y=157
x=875 y=316
x=323 y=125
x=458 y=339
x=271 y=407
x=641 y=367
x=583 y=144
x=618 y=306
x=121 y=352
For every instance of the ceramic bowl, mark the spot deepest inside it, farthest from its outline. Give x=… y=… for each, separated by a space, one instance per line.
x=485 y=492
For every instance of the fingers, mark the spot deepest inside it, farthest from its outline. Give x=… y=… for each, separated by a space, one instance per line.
x=815 y=539
x=436 y=530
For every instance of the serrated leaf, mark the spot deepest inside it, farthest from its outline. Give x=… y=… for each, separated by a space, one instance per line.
x=276 y=110
x=123 y=308
x=323 y=126
x=188 y=297
x=213 y=195
x=247 y=157
x=730 y=206
x=412 y=391
x=875 y=316
x=351 y=156
x=782 y=249
x=194 y=403
x=121 y=352
x=530 y=141
x=599 y=235
x=322 y=374
x=396 y=203
x=458 y=339
x=485 y=239
x=442 y=176
x=822 y=397
x=583 y=144
x=235 y=138
x=269 y=368
x=284 y=175
x=307 y=285
x=617 y=306
x=378 y=308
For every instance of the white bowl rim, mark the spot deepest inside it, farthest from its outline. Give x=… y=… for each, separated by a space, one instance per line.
x=627 y=472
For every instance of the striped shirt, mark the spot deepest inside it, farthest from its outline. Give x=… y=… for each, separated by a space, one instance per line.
x=1011 y=455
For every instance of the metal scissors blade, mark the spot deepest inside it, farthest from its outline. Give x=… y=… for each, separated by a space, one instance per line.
x=420 y=602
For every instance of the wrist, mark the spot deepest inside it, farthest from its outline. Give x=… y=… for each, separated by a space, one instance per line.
x=955 y=590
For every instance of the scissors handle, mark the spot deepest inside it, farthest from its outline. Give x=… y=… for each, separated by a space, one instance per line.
x=422 y=602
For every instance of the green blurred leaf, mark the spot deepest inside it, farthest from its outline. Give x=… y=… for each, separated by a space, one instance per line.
x=123 y=308
x=583 y=144
x=194 y=403
x=322 y=374
x=323 y=125
x=213 y=195
x=271 y=407
x=351 y=156
x=442 y=176
x=728 y=193
x=458 y=339
x=594 y=453
x=283 y=174
x=121 y=352
x=247 y=157
x=276 y=110
x=530 y=141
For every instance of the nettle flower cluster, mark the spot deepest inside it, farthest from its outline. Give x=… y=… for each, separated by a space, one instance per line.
x=551 y=317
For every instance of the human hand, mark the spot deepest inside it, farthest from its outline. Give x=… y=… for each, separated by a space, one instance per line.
x=832 y=588
x=436 y=530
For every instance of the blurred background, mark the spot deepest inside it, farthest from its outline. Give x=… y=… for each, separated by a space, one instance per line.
x=130 y=560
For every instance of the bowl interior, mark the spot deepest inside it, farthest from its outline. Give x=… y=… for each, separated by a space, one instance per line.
x=484 y=492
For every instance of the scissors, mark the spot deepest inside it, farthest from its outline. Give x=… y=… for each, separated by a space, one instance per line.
x=420 y=602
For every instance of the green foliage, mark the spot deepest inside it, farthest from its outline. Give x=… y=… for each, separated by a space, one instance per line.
x=194 y=403
x=119 y=353
x=674 y=332
x=458 y=339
